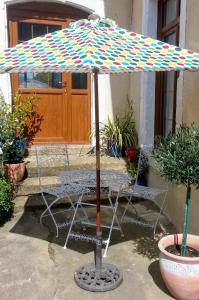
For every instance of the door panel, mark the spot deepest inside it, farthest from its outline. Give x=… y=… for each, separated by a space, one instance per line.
x=80 y=130
x=62 y=121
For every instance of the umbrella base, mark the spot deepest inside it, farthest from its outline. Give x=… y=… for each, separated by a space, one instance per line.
x=89 y=279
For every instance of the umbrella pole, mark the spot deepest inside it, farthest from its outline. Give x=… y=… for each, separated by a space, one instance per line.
x=98 y=251
x=98 y=223
x=98 y=277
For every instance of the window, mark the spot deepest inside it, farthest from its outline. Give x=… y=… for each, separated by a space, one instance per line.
x=166 y=82
x=27 y=31
x=79 y=81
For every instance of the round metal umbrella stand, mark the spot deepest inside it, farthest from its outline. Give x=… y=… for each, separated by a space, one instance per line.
x=87 y=278
x=98 y=277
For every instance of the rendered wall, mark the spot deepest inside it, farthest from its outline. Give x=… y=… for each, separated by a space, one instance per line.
x=135 y=91
x=188 y=111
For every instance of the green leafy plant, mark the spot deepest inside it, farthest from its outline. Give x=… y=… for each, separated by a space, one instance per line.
x=131 y=169
x=11 y=154
x=22 y=110
x=14 y=118
x=13 y=124
x=128 y=129
x=6 y=126
x=177 y=158
x=112 y=131
x=6 y=204
x=121 y=130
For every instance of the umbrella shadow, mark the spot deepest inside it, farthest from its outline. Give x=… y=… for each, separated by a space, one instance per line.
x=154 y=271
x=142 y=239
x=29 y=225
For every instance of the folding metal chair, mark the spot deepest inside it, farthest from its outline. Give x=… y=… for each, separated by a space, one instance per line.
x=47 y=158
x=138 y=190
x=86 y=178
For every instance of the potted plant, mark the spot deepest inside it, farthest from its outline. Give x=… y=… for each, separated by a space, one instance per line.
x=112 y=134
x=14 y=166
x=13 y=124
x=177 y=158
x=120 y=133
x=21 y=112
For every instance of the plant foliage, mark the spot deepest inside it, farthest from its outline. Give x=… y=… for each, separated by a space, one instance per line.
x=13 y=123
x=15 y=118
x=178 y=159
x=177 y=156
x=122 y=129
x=6 y=204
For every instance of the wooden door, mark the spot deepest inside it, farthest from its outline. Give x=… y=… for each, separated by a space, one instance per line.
x=63 y=106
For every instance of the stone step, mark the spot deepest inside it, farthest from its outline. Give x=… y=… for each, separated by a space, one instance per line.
x=63 y=149
x=35 y=201
x=31 y=185
x=55 y=166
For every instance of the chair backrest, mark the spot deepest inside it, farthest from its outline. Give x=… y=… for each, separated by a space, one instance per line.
x=51 y=160
x=143 y=163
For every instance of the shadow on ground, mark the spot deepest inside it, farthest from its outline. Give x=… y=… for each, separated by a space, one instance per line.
x=144 y=242
x=141 y=238
x=154 y=271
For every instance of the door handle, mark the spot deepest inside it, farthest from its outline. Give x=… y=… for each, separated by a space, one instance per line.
x=63 y=85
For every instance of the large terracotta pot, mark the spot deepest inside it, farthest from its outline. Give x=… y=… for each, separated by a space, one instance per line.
x=15 y=172
x=180 y=274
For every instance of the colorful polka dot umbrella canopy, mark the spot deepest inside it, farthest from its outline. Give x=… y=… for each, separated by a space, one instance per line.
x=96 y=44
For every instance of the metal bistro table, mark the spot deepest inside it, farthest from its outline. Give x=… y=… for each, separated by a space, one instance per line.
x=112 y=182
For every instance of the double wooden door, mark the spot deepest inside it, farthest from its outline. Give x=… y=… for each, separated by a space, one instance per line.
x=63 y=105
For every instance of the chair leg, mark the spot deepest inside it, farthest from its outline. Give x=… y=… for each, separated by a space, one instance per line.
x=116 y=217
x=126 y=207
x=51 y=214
x=83 y=210
x=72 y=221
x=112 y=223
x=48 y=206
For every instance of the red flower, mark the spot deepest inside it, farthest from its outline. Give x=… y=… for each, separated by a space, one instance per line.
x=132 y=154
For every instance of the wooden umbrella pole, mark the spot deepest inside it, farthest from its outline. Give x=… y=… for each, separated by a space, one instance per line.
x=98 y=222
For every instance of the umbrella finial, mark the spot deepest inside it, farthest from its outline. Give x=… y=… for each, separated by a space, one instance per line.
x=93 y=16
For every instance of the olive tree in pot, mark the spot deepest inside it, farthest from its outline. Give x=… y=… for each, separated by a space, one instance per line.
x=177 y=158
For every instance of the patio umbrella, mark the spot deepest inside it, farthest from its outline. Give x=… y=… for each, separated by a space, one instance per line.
x=96 y=46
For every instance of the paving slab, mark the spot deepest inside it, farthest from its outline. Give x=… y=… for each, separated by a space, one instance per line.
x=34 y=265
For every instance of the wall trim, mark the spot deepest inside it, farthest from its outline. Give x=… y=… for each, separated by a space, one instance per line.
x=71 y=3
x=147 y=80
x=180 y=82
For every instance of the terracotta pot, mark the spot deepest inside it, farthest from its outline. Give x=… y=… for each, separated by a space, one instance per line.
x=180 y=274
x=15 y=172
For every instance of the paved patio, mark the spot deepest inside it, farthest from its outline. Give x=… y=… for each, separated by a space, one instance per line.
x=34 y=265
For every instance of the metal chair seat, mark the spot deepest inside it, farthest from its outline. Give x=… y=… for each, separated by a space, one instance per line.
x=144 y=192
x=63 y=191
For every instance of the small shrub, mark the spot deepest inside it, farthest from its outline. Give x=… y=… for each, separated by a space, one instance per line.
x=177 y=158
x=6 y=204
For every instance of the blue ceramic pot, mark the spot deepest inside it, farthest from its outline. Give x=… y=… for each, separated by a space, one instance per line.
x=113 y=149
x=20 y=144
